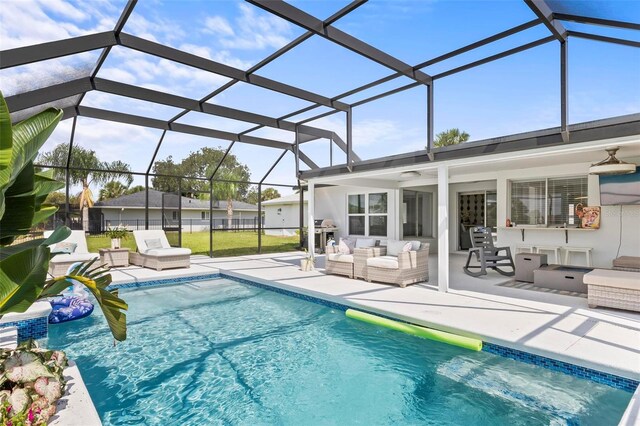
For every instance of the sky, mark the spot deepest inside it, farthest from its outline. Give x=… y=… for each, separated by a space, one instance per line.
x=512 y=95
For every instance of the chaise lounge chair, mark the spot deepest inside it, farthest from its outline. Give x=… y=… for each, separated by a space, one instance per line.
x=76 y=245
x=155 y=252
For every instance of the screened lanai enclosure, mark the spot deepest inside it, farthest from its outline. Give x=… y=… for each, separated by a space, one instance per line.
x=200 y=103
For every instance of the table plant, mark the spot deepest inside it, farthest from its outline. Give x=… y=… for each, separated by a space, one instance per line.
x=117 y=234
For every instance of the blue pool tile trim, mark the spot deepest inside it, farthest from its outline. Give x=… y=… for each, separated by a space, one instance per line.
x=32 y=328
x=612 y=380
x=164 y=281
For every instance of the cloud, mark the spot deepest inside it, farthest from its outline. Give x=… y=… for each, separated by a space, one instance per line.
x=254 y=30
x=222 y=56
x=218 y=25
x=149 y=28
x=28 y=22
x=64 y=9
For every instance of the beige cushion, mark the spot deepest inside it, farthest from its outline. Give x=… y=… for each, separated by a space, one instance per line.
x=165 y=252
x=387 y=262
x=612 y=278
x=73 y=257
x=627 y=262
x=340 y=257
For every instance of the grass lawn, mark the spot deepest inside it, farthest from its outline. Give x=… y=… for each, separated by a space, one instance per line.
x=225 y=243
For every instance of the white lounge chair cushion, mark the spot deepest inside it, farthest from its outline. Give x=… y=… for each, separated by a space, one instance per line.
x=613 y=278
x=141 y=236
x=77 y=237
x=74 y=257
x=340 y=257
x=153 y=243
x=386 y=262
x=166 y=252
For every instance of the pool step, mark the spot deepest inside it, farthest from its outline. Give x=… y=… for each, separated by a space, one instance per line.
x=497 y=382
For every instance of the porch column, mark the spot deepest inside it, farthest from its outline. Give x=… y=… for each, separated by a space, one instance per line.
x=443 y=228
x=311 y=229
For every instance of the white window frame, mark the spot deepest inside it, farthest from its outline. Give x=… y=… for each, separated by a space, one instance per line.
x=366 y=213
x=546 y=195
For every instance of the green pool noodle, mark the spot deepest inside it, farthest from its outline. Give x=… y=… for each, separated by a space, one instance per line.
x=427 y=333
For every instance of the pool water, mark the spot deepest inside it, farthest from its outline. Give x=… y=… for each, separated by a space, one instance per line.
x=222 y=352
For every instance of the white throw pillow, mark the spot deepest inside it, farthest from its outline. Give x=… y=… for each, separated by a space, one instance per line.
x=395 y=247
x=343 y=248
x=154 y=243
x=415 y=245
x=407 y=247
x=365 y=242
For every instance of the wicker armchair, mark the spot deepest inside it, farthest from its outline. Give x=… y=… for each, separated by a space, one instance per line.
x=408 y=267
x=352 y=265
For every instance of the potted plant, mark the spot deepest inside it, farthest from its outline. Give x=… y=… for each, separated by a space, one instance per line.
x=116 y=234
x=31 y=381
x=309 y=261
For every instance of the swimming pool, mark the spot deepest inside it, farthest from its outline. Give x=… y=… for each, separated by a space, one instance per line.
x=223 y=352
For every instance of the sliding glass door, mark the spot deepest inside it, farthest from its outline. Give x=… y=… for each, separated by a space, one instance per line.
x=417 y=218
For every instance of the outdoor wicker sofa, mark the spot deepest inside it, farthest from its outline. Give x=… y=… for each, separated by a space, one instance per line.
x=352 y=264
x=627 y=263
x=408 y=267
x=613 y=289
x=60 y=263
x=155 y=252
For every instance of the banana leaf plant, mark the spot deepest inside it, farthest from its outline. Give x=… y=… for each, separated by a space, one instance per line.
x=24 y=266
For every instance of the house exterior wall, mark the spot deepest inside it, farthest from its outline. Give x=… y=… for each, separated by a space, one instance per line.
x=191 y=219
x=331 y=203
x=287 y=217
x=618 y=234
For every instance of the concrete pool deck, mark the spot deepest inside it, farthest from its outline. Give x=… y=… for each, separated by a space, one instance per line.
x=551 y=325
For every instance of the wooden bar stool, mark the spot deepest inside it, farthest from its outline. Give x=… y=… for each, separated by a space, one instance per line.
x=551 y=249
x=587 y=251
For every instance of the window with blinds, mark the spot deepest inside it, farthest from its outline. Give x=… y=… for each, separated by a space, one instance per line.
x=548 y=202
x=528 y=202
x=563 y=196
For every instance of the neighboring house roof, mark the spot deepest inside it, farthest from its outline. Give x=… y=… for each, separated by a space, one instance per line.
x=137 y=201
x=287 y=199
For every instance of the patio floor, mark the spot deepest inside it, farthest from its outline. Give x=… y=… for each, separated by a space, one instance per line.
x=547 y=324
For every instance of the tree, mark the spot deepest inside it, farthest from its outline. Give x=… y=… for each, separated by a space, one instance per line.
x=226 y=189
x=112 y=189
x=450 y=137
x=135 y=189
x=199 y=164
x=83 y=160
x=267 y=194
x=60 y=198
